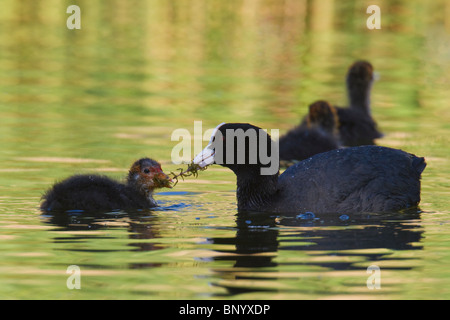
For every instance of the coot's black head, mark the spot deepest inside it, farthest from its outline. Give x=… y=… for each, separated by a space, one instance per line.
x=360 y=72
x=146 y=175
x=323 y=115
x=252 y=155
x=242 y=147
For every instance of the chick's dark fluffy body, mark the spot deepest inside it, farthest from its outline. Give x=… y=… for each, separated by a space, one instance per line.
x=97 y=193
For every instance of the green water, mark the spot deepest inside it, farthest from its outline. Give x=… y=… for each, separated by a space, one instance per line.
x=98 y=98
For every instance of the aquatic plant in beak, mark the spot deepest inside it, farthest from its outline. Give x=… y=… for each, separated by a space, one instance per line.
x=200 y=162
x=192 y=170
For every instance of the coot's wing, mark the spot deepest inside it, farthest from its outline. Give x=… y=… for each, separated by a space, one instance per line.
x=358 y=179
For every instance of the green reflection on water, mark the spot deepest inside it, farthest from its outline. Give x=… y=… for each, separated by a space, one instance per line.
x=98 y=98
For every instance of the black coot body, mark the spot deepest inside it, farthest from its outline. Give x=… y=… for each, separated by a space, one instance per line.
x=96 y=193
x=356 y=124
x=319 y=133
x=351 y=180
x=355 y=179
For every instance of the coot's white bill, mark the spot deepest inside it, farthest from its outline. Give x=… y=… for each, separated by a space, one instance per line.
x=206 y=157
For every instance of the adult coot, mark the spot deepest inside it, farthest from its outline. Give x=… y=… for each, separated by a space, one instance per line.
x=319 y=133
x=95 y=193
x=357 y=127
x=352 y=180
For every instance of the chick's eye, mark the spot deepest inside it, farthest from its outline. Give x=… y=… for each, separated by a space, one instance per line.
x=146 y=170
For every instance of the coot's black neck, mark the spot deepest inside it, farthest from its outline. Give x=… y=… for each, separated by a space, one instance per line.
x=254 y=192
x=359 y=94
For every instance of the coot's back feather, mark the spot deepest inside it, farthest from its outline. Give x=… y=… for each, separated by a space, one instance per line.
x=357 y=179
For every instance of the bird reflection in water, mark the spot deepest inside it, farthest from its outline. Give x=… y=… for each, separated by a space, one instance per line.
x=261 y=237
